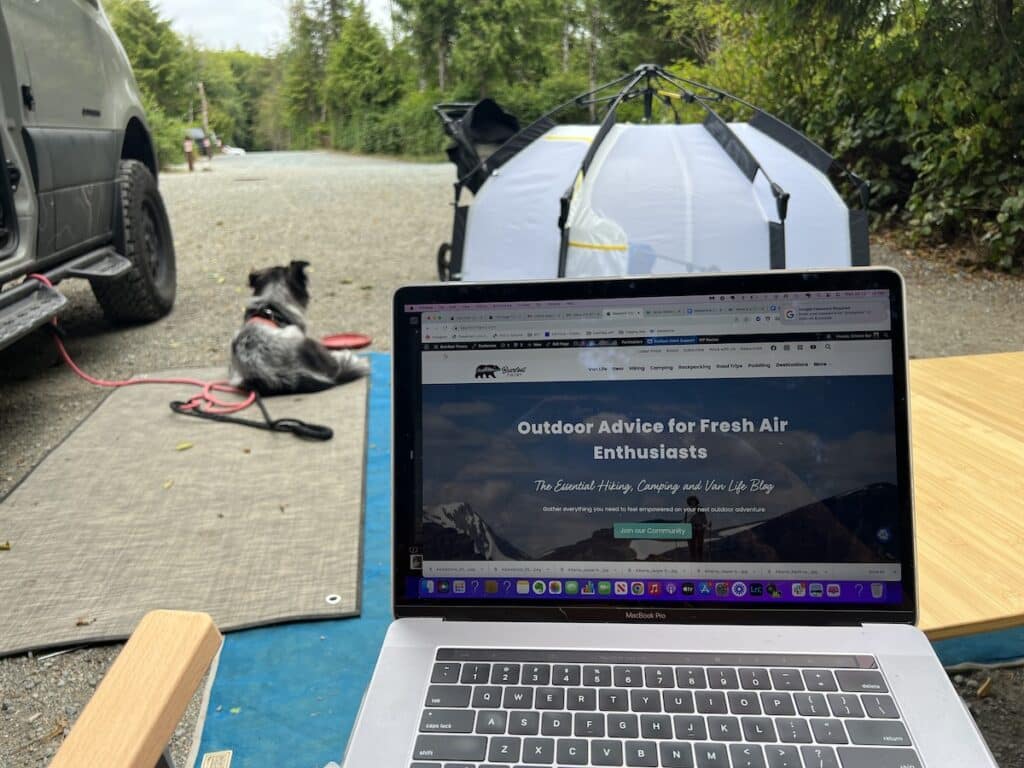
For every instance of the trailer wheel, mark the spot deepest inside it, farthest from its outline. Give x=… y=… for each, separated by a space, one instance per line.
x=143 y=236
x=444 y=262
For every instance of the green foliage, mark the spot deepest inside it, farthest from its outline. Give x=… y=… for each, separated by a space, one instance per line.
x=359 y=75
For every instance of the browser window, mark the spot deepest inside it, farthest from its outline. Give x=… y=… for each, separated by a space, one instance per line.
x=720 y=448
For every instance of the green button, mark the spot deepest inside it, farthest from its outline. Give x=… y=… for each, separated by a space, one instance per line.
x=671 y=531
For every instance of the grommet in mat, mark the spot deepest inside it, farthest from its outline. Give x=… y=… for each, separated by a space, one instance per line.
x=333 y=599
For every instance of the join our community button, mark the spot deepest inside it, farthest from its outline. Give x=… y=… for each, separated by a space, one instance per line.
x=672 y=531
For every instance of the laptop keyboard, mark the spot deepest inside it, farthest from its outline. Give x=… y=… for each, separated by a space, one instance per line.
x=503 y=707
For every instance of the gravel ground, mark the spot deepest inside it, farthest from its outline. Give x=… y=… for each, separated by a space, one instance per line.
x=367 y=226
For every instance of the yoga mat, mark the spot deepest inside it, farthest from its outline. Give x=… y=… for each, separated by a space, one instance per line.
x=141 y=508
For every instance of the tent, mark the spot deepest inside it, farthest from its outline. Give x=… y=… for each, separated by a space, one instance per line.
x=621 y=198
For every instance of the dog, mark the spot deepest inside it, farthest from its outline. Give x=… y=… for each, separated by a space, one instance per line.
x=272 y=353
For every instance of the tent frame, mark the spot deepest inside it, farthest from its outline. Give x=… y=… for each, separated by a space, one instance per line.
x=651 y=83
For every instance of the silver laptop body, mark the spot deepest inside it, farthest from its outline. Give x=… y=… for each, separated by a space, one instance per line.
x=656 y=522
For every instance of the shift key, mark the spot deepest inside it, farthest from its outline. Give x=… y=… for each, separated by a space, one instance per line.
x=878 y=757
x=450 y=748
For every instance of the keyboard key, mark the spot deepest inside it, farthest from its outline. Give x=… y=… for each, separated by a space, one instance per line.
x=581 y=699
x=438 y=747
x=811 y=704
x=710 y=702
x=491 y=721
x=447 y=672
x=819 y=757
x=879 y=706
x=623 y=726
x=755 y=680
x=691 y=677
x=778 y=704
x=613 y=700
x=606 y=752
x=828 y=731
x=758 y=728
x=677 y=701
x=539 y=751
x=711 y=755
x=475 y=672
x=690 y=727
x=743 y=703
x=793 y=730
x=565 y=674
x=524 y=723
x=861 y=681
x=746 y=756
x=782 y=757
x=676 y=754
x=659 y=677
x=724 y=729
x=877 y=732
x=425 y=765
x=536 y=674
x=588 y=724
x=505 y=674
x=845 y=705
x=819 y=680
x=786 y=679
x=642 y=753
x=504 y=749
x=719 y=677
x=556 y=724
x=572 y=752
x=517 y=697
x=549 y=698
x=645 y=700
x=655 y=726
x=628 y=677
x=876 y=757
x=448 y=695
x=447 y=721
x=486 y=696
x=597 y=675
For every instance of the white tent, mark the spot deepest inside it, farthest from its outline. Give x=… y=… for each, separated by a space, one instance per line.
x=637 y=199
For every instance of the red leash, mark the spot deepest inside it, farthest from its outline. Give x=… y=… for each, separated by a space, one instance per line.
x=205 y=402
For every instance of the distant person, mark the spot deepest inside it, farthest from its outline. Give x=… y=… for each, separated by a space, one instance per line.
x=190 y=157
x=206 y=149
x=697 y=518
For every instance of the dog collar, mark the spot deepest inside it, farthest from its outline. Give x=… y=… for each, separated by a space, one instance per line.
x=267 y=316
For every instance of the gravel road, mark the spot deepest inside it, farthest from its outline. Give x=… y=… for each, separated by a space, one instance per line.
x=366 y=225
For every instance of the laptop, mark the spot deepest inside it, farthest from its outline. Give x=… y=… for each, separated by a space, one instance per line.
x=658 y=521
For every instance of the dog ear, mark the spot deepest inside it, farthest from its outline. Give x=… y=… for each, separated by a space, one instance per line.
x=255 y=277
x=298 y=281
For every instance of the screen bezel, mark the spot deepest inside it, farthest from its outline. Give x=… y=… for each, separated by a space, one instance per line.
x=405 y=425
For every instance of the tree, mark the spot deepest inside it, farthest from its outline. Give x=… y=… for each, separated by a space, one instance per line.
x=431 y=25
x=358 y=71
x=303 y=71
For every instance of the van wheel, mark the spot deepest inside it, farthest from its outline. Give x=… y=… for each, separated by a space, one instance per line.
x=142 y=235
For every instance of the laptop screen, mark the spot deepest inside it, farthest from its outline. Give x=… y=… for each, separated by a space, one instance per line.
x=731 y=447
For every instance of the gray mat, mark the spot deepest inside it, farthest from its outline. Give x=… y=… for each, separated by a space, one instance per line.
x=250 y=526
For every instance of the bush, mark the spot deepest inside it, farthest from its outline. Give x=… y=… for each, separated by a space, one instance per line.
x=168 y=134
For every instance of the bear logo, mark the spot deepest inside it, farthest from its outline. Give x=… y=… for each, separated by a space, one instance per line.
x=486 y=371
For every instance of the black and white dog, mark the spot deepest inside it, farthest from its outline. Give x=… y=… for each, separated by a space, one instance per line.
x=271 y=352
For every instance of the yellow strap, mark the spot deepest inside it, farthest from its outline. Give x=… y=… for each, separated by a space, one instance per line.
x=670 y=94
x=599 y=246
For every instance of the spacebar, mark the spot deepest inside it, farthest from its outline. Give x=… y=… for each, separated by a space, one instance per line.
x=878 y=757
x=450 y=748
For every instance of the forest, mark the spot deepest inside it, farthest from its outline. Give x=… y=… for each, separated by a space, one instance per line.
x=924 y=98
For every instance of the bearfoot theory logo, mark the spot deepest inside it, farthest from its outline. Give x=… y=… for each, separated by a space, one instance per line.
x=506 y=371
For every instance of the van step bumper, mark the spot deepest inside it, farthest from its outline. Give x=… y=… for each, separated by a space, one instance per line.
x=31 y=304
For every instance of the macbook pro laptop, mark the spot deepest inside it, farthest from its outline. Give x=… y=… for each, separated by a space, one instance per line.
x=656 y=522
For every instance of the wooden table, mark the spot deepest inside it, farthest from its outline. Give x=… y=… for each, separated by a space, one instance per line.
x=967 y=418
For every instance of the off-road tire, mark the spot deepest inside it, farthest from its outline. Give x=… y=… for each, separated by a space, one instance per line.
x=142 y=234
